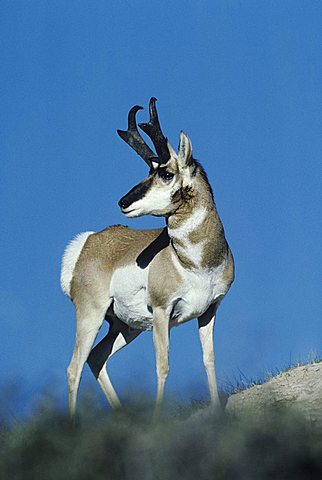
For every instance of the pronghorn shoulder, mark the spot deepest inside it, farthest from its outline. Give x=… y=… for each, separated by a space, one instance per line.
x=164 y=278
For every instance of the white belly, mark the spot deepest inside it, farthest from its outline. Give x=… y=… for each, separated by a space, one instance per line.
x=129 y=292
x=197 y=291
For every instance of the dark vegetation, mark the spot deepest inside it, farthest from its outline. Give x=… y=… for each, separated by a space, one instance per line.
x=188 y=443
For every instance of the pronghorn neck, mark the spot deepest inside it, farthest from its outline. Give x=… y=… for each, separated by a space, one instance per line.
x=195 y=229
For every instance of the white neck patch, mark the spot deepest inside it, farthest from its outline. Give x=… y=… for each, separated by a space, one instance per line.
x=194 y=251
x=194 y=221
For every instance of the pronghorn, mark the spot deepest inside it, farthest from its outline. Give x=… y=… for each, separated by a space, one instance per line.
x=141 y=280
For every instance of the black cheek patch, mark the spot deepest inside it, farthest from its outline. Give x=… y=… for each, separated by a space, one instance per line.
x=136 y=193
x=177 y=196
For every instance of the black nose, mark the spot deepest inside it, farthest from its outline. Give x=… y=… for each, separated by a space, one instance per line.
x=124 y=203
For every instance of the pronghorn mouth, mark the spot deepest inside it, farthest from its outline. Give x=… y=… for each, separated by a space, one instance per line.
x=128 y=211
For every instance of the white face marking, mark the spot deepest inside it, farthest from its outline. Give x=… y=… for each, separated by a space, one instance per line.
x=70 y=258
x=156 y=201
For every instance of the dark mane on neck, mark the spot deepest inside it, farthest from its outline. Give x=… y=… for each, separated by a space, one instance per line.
x=199 y=168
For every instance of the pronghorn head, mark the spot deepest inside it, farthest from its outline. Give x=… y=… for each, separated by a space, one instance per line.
x=171 y=173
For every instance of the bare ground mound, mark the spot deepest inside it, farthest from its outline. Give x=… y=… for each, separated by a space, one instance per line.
x=297 y=389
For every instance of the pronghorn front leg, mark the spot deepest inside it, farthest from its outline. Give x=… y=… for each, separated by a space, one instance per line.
x=206 y=333
x=161 y=346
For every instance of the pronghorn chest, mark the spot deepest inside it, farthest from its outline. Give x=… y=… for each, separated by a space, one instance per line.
x=200 y=286
x=195 y=292
x=129 y=292
x=198 y=290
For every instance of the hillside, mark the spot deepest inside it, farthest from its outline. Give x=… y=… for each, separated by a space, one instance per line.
x=256 y=441
x=299 y=388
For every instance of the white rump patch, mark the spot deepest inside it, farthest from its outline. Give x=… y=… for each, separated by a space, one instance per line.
x=70 y=258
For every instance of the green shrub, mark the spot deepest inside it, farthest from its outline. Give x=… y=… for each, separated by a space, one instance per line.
x=193 y=443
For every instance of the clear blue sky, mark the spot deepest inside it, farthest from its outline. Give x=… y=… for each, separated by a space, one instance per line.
x=243 y=79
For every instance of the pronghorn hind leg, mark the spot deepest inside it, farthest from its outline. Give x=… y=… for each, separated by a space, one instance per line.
x=89 y=320
x=118 y=336
x=206 y=333
x=161 y=346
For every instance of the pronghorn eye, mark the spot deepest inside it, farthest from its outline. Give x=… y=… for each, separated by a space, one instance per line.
x=165 y=175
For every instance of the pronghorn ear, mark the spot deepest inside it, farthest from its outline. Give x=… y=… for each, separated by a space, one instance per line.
x=185 y=149
x=173 y=153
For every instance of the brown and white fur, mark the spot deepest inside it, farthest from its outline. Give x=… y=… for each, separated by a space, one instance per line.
x=150 y=279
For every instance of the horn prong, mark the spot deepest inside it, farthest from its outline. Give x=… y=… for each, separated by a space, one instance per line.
x=153 y=109
x=153 y=130
x=133 y=138
x=132 y=117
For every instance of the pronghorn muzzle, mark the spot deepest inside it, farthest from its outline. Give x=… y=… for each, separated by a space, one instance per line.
x=135 y=194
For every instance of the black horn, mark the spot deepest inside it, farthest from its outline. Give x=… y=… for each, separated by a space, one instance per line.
x=133 y=138
x=153 y=130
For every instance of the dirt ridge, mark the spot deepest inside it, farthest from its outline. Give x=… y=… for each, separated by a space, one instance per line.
x=298 y=389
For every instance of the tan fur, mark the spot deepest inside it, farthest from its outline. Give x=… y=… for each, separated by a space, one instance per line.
x=104 y=251
x=118 y=245
x=216 y=248
x=229 y=272
x=115 y=247
x=158 y=278
x=163 y=279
